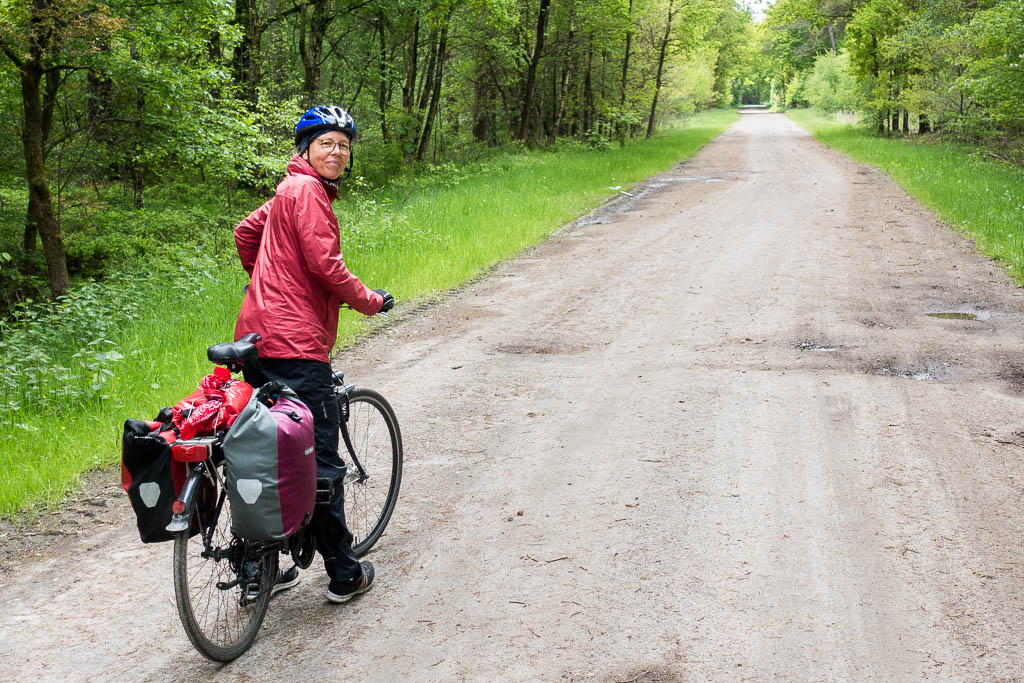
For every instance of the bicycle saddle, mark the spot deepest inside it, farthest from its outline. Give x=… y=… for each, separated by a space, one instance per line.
x=234 y=352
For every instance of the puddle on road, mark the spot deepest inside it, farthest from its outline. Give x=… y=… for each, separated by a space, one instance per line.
x=808 y=345
x=541 y=349
x=969 y=312
x=932 y=371
x=595 y=220
x=954 y=315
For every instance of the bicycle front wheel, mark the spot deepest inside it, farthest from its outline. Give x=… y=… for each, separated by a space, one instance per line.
x=222 y=585
x=374 y=462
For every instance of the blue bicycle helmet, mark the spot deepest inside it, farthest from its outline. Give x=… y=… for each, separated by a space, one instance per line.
x=323 y=117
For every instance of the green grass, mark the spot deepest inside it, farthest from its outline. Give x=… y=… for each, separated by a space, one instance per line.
x=417 y=238
x=982 y=197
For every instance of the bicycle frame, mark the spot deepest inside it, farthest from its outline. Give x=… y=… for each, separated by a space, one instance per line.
x=224 y=579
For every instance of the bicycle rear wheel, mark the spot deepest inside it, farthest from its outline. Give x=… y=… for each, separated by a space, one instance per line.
x=213 y=571
x=373 y=455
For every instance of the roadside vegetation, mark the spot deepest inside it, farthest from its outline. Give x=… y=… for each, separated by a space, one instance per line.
x=128 y=345
x=983 y=197
x=138 y=135
x=947 y=68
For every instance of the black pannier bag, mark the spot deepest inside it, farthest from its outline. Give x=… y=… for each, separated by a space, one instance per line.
x=153 y=479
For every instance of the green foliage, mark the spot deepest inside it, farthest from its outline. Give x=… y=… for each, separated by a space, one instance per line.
x=993 y=72
x=954 y=66
x=794 y=93
x=830 y=86
x=130 y=345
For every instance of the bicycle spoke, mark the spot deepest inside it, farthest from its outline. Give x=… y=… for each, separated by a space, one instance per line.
x=219 y=621
x=370 y=496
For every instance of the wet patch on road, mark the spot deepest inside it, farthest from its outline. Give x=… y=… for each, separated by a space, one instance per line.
x=653 y=673
x=953 y=315
x=1013 y=374
x=924 y=371
x=541 y=349
x=595 y=220
x=871 y=322
x=811 y=345
x=971 y=312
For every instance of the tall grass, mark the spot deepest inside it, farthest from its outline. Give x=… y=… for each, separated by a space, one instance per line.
x=981 y=196
x=420 y=236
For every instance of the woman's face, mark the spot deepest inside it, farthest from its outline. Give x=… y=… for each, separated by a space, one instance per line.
x=329 y=154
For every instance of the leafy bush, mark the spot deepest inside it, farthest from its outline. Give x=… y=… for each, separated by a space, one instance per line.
x=796 y=91
x=62 y=356
x=830 y=86
x=994 y=74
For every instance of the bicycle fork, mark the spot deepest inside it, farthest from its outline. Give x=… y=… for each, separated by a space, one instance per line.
x=344 y=410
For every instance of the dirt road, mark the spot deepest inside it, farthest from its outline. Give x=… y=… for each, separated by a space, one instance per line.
x=710 y=432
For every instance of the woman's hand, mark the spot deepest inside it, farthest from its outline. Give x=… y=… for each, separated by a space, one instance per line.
x=389 y=301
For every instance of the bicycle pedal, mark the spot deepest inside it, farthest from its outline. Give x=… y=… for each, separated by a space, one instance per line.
x=324 y=491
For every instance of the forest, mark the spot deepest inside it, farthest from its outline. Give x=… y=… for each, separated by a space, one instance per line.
x=908 y=67
x=109 y=104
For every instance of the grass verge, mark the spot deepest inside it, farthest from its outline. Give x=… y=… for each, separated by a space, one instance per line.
x=417 y=238
x=982 y=197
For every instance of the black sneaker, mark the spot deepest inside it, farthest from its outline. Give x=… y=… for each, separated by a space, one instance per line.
x=339 y=591
x=285 y=580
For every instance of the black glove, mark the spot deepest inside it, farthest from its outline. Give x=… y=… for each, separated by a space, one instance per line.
x=389 y=301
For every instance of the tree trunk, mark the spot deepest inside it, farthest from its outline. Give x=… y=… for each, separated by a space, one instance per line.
x=625 y=56
x=531 y=72
x=411 y=64
x=484 y=124
x=625 y=71
x=138 y=170
x=563 y=91
x=923 y=124
x=435 y=98
x=98 y=104
x=382 y=72
x=40 y=203
x=421 y=100
x=588 y=90
x=311 y=48
x=661 y=67
x=428 y=81
x=245 y=63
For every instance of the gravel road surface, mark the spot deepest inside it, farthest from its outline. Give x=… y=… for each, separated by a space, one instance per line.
x=708 y=432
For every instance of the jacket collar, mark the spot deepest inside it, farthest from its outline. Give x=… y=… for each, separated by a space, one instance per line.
x=299 y=166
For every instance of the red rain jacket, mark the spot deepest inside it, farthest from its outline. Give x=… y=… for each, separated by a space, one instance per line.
x=290 y=248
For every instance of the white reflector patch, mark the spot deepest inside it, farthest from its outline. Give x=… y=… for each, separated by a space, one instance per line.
x=249 y=489
x=149 y=493
x=308 y=451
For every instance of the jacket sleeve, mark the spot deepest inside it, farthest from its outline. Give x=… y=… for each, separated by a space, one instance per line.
x=249 y=234
x=319 y=240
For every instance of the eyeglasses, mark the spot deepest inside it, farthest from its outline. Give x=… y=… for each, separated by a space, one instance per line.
x=326 y=146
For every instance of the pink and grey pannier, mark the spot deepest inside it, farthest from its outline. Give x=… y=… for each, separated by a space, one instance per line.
x=270 y=466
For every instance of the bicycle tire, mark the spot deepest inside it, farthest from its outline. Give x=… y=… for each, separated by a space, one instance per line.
x=377 y=441
x=218 y=621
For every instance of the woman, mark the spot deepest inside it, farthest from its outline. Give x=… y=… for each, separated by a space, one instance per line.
x=290 y=248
